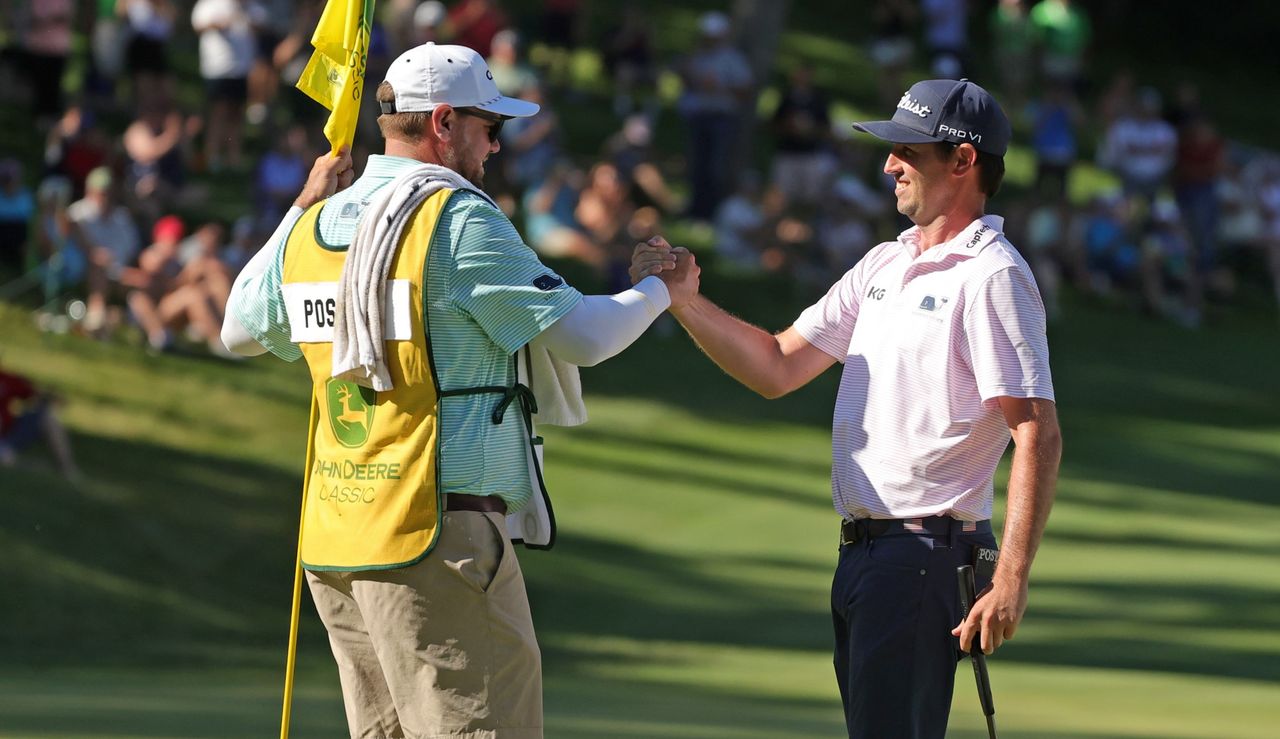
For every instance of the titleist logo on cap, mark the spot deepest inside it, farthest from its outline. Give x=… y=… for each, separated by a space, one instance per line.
x=912 y=105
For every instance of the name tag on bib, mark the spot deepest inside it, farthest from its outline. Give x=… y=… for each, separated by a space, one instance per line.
x=312 y=305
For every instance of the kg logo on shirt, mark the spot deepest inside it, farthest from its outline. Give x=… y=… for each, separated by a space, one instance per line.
x=548 y=282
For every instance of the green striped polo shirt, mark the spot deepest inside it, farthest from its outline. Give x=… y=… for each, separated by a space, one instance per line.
x=486 y=296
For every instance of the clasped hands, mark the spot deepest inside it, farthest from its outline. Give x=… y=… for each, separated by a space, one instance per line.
x=674 y=265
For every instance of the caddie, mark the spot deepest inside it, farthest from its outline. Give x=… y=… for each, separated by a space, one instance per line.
x=434 y=339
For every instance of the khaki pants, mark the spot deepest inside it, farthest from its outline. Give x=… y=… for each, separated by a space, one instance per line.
x=442 y=648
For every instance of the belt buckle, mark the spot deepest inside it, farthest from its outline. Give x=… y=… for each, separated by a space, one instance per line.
x=850 y=532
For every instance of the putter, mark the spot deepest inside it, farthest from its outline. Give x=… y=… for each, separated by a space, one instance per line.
x=964 y=574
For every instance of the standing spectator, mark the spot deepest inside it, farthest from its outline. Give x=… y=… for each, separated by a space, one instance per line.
x=473 y=23
x=1140 y=148
x=740 y=225
x=1013 y=44
x=892 y=45
x=561 y=29
x=1062 y=34
x=155 y=144
x=150 y=26
x=630 y=60
x=280 y=175
x=717 y=85
x=1053 y=138
x=46 y=45
x=16 y=208
x=947 y=36
x=227 y=50
x=110 y=241
x=75 y=147
x=428 y=22
x=510 y=72
x=1269 y=202
x=803 y=163
x=27 y=414
x=1196 y=172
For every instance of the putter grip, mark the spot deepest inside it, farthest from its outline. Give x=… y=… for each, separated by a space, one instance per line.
x=964 y=578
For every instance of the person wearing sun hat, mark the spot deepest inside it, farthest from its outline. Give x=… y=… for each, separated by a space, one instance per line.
x=942 y=336
x=420 y=312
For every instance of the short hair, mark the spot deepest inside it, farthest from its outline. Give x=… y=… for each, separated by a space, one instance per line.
x=990 y=167
x=401 y=126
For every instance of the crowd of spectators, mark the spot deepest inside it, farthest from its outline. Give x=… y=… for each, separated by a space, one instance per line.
x=115 y=211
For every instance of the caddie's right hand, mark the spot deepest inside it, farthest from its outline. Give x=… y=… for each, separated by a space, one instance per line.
x=328 y=175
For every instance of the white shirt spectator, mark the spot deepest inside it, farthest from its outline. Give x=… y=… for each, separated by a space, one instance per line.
x=227 y=44
x=1140 y=149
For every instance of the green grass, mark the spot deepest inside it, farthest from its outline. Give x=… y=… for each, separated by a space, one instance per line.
x=686 y=596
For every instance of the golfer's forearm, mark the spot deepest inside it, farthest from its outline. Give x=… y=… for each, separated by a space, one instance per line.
x=1032 y=485
x=747 y=353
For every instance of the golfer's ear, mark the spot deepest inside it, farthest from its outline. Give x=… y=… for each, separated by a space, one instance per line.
x=966 y=159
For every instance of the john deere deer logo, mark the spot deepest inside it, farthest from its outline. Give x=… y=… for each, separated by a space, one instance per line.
x=350 y=411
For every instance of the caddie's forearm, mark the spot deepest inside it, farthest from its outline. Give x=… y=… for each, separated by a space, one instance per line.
x=1032 y=485
x=602 y=325
x=749 y=354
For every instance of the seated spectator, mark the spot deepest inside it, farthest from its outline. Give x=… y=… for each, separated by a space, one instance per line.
x=845 y=233
x=631 y=151
x=605 y=208
x=1170 y=282
x=280 y=175
x=803 y=163
x=58 y=246
x=28 y=415
x=203 y=259
x=550 y=220
x=740 y=225
x=109 y=239
x=530 y=146
x=1109 y=244
x=16 y=208
x=165 y=296
x=155 y=144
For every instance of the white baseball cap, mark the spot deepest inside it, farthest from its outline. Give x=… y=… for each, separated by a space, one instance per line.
x=444 y=74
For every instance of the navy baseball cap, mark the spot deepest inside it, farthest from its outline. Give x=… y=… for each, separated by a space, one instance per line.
x=945 y=110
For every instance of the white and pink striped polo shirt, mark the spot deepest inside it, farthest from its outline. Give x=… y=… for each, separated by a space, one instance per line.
x=929 y=341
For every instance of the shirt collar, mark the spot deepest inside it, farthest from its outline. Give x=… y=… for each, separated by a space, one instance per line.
x=972 y=238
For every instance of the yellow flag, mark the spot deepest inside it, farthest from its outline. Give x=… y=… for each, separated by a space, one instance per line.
x=335 y=75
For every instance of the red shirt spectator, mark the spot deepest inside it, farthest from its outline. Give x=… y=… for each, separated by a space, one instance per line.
x=474 y=22
x=12 y=388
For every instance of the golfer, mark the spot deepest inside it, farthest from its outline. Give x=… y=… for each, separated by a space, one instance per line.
x=409 y=294
x=942 y=336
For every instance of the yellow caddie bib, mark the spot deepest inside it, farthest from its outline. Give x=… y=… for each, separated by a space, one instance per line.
x=372 y=493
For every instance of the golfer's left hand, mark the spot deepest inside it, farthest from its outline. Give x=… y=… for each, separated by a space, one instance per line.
x=994 y=617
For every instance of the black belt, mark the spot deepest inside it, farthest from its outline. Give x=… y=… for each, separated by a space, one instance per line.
x=852 y=532
x=477 y=503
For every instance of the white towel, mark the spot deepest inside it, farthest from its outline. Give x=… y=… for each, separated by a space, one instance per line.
x=359 y=351
x=557 y=389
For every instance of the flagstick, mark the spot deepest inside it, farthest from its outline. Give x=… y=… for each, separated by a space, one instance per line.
x=291 y=660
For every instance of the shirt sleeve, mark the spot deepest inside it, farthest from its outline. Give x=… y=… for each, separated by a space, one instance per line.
x=257 y=298
x=498 y=280
x=828 y=323
x=1005 y=337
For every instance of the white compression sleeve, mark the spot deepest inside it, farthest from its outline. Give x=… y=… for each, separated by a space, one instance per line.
x=603 y=325
x=234 y=335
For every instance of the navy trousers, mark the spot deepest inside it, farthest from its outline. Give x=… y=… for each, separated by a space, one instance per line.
x=894 y=602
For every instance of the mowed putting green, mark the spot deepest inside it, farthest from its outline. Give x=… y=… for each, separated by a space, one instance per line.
x=687 y=595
